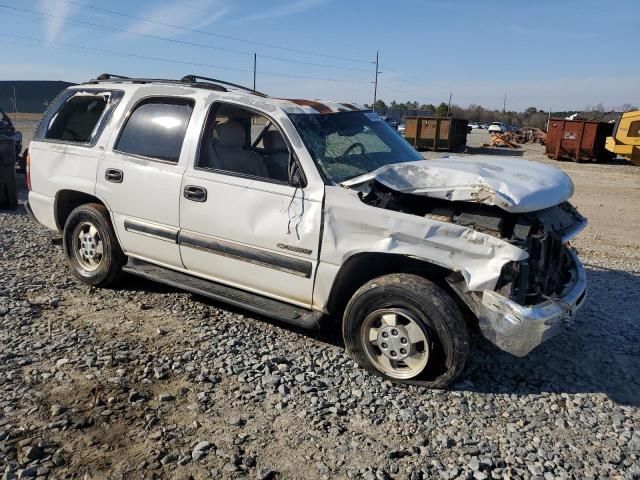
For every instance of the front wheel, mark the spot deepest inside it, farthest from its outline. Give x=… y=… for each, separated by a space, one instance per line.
x=405 y=328
x=91 y=246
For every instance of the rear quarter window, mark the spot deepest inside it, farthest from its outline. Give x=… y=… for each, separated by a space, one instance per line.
x=78 y=116
x=156 y=129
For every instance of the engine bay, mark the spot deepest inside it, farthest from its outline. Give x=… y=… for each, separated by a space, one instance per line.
x=543 y=234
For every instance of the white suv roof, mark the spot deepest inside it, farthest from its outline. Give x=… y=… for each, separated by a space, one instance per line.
x=191 y=84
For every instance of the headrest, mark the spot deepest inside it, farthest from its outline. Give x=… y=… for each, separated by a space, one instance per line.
x=273 y=142
x=229 y=134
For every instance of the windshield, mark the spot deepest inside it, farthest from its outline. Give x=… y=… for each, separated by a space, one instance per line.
x=349 y=144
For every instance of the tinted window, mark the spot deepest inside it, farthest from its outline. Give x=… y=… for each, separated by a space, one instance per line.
x=634 y=129
x=78 y=116
x=156 y=129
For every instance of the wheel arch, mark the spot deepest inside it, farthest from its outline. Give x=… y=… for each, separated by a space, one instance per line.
x=363 y=267
x=67 y=200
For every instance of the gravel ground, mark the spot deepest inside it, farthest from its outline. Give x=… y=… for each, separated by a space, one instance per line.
x=143 y=381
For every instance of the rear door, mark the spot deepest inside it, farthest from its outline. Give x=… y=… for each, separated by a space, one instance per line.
x=140 y=175
x=67 y=147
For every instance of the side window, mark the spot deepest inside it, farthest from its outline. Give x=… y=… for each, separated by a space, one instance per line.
x=240 y=141
x=78 y=116
x=156 y=128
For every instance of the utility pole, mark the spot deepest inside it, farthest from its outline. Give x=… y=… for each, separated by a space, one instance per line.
x=449 y=105
x=15 y=101
x=375 y=83
x=504 y=106
x=255 y=60
x=549 y=119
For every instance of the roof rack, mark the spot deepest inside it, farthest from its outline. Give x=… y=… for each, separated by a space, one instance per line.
x=109 y=76
x=195 y=79
x=192 y=80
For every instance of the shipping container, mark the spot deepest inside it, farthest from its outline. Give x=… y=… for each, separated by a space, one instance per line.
x=578 y=140
x=436 y=133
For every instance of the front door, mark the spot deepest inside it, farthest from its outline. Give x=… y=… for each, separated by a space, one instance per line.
x=241 y=221
x=140 y=178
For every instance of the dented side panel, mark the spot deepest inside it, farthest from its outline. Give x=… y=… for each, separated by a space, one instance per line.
x=352 y=227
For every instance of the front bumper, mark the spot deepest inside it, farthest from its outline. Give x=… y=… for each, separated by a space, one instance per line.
x=517 y=329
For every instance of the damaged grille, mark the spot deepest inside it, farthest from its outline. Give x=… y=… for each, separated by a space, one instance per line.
x=549 y=266
x=548 y=270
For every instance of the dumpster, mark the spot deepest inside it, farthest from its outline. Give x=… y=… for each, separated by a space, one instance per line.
x=436 y=133
x=578 y=140
x=8 y=190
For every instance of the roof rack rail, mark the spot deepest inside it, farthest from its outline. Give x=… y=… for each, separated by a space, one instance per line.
x=193 y=80
x=196 y=79
x=108 y=76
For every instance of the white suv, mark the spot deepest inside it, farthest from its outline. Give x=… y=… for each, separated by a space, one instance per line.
x=313 y=213
x=498 y=127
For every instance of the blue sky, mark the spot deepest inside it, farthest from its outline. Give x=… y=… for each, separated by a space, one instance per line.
x=548 y=54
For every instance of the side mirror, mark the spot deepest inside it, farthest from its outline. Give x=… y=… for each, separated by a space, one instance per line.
x=296 y=177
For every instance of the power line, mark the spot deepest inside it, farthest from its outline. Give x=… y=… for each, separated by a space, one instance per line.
x=172 y=40
x=169 y=60
x=211 y=34
x=126 y=54
x=441 y=89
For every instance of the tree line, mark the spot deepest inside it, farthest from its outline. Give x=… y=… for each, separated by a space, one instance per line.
x=530 y=117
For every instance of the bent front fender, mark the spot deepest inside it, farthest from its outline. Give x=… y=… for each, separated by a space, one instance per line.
x=352 y=227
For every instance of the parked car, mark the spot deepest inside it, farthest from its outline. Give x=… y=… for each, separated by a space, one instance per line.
x=401 y=128
x=8 y=130
x=498 y=127
x=317 y=214
x=474 y=126
x=392 y=122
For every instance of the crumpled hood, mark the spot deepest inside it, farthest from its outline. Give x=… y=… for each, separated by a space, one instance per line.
x=513 y=184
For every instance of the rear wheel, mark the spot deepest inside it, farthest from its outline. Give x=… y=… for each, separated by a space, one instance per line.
x=405 y=328
x=91 y=246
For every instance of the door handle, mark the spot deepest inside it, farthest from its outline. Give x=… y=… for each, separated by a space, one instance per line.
x=113 y=175
x=195 y=193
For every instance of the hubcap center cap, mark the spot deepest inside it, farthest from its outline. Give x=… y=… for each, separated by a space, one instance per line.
x=393 y=342
x=88 y=246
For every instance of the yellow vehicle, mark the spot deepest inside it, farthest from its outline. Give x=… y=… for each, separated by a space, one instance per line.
x=626 y=137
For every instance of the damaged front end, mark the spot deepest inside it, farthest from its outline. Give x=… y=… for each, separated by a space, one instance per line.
x=538 y=297
x=534 y=298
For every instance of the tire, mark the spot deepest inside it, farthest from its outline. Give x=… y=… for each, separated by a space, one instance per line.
x=97 y=258
x=437 y=349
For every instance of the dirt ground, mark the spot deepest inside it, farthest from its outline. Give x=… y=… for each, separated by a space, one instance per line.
x=145 y=381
